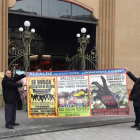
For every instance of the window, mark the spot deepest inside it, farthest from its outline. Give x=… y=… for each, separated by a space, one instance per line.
x=51 y=8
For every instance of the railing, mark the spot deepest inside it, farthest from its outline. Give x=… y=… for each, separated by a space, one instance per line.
x=90 y=61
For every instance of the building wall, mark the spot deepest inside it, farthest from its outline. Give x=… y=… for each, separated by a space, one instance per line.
x=11 y=3
x=103 y=10
x=127 y=36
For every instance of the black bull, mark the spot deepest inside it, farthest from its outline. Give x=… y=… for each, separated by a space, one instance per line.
x=105 y=95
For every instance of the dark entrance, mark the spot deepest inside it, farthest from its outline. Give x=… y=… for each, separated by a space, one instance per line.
x=54 y=40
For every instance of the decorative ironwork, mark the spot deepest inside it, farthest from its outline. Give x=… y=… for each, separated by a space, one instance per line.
x=15 y=53
x=81 y=61
x=27 y=37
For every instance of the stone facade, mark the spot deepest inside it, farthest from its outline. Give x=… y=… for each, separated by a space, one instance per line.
x=127 y=35
x=103 y=10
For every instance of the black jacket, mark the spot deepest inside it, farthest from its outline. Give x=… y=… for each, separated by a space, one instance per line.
x=9 y=87
x=135 y=93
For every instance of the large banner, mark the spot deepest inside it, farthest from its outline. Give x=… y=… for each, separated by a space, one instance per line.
x=77 y=93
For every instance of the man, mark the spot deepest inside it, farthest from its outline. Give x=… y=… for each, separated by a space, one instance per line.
x=10 y=86
x=135 y=97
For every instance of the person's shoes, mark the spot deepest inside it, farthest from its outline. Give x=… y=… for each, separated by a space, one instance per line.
x=138 y=128
x=9 y=127
x=135 y=126
x=15 y=124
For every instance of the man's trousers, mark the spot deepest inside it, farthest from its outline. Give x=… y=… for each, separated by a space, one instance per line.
x=10 y=114
x=137 y=114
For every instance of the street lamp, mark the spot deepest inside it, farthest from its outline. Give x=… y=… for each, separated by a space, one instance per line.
x=27 y=37
x=83 y=39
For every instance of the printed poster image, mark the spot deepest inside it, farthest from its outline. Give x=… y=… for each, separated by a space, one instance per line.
x=41 y=97
x=108 y=94
x=73 y=96
x=1 y=74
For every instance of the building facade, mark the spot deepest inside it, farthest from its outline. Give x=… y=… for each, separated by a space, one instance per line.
x=117 y=32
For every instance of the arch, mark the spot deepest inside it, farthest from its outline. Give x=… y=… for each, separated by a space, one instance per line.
x=79 y=4
x=11 y=3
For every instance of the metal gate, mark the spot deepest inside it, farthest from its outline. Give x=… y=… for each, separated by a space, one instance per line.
x=83 y=62
x=15 y=56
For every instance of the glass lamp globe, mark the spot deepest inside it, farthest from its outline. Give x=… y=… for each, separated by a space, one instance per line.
x=78 y=35
x=33 y=30
x=21 y=29
x=27 y=23
x=88 y=36
x=83 y=30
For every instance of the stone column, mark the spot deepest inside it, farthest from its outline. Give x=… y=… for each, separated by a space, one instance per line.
x=105 y=34
x=3 y=35
x=4 y=4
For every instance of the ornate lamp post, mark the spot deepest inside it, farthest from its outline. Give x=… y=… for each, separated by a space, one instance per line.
x=27 y=37
x=80 y=61
x=83 y=39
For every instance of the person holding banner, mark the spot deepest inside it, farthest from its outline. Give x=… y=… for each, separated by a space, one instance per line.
x=19 y=99
x=10 y=86
x=135 y=97
x=22 y=90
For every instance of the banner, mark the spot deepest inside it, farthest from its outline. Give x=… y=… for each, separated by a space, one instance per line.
x=77 y=93
x=108 y=94
x=73 y=96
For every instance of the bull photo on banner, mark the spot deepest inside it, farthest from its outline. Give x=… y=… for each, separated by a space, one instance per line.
x=41 y=97
x=109 y=94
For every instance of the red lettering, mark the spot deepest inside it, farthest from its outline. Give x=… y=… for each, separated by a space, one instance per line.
x=107 y=97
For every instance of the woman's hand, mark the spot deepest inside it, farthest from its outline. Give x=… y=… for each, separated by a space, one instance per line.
x=24 y=85
x=126 y=69
x=25 y=73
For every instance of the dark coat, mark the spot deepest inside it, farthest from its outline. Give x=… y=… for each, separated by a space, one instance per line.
x=135 y=93
x=9 y=87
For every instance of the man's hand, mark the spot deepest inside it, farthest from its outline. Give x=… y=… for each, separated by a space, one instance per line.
x=25 y=73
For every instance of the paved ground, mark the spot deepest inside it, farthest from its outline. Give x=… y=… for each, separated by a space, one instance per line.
x=37 y=126
x=109 y=132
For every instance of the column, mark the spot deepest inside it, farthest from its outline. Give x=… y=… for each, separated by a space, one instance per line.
x=3 y=35
x=105 y=34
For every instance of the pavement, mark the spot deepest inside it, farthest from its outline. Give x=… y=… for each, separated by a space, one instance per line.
x=51 y=125
x=109 y=132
